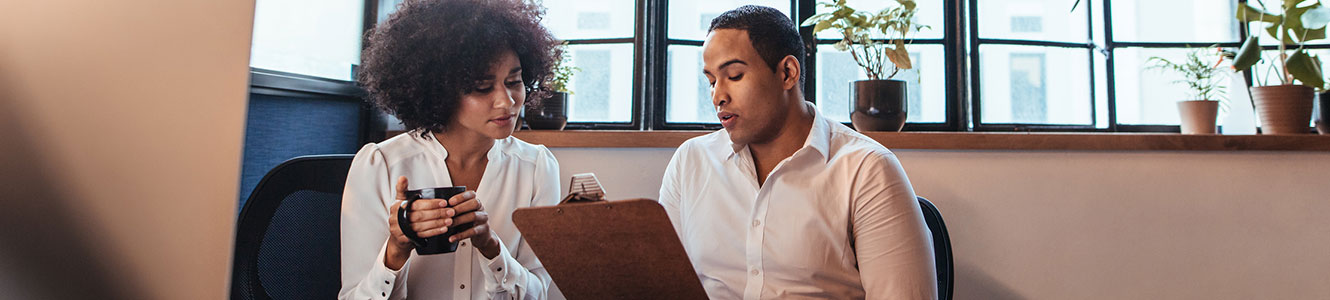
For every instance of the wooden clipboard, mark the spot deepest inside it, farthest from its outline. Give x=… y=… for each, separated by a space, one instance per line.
x=624 y=249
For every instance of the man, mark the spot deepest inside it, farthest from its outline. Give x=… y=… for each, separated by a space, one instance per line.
x=784 y=203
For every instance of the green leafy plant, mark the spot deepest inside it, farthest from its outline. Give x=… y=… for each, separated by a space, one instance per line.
x=563 y=71
x=1302 y=21
x=873 y=39
x=1201 y=74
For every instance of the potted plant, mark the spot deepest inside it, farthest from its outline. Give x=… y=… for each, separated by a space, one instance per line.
x=552 y=113
x=1284 y=108
x=877 y=42
x=1203 y=79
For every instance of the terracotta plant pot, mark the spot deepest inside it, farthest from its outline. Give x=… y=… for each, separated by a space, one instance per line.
x=1323 y=119
x=1283 y=109
x=1198 y=116
x=879 y=105
x=549 y=114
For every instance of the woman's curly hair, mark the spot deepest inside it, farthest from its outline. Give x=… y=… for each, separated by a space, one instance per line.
x=429 y=53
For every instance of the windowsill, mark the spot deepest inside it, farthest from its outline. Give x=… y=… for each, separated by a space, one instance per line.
x=966 y=140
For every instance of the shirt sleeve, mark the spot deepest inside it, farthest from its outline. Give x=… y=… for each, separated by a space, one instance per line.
x=364 y=231
x=891 y=241
x=669 y=190
x=516 y=273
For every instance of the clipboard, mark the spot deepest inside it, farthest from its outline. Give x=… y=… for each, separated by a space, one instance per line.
x=623 y=249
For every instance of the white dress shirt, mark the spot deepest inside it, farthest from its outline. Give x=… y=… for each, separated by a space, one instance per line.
x=837 y=219
x=518 y=175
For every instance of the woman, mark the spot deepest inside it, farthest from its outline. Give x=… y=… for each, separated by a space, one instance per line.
x=456 y=73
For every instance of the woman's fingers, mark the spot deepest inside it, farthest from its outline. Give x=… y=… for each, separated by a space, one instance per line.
x=429 y=209
x=479 y=218
x=458 y=199
x=474 y=231
x=431 y=228
x=479 y=221
x=467 y=207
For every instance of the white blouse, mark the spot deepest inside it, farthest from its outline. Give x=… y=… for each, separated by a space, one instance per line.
x=835 y=220
x=518 y=175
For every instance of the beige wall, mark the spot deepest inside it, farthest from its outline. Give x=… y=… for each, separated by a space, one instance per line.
x=121 y=136
x=1098 y=225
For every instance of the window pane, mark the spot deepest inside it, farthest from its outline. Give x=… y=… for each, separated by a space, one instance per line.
x=689 y=20
x=1174 y=21
x=590 y=19
x=1035 y=85
x=1150 y=96
x=929 y=13
x=317 y=38
x=387 y=7
x=1051 y=20
x=603 y=88
x=689 y=93
x=927 y=103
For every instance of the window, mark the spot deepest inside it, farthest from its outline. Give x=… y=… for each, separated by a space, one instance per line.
x=1016 y=82
x=990 y=65
x=315 y=38
x=688 y=95
x=835 y=71
x=602 y=35
x=1146 y=97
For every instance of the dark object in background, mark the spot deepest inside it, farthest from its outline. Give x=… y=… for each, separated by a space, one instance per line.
x=288 y=235
x=879 y=105
x=549 y=114
x=1323 y=119
x=942 y=257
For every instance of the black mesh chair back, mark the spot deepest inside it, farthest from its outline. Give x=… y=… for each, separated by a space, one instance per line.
x=288 y=234
x=941 y=248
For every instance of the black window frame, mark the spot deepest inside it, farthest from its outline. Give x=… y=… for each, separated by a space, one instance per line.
x=640 y=88
x=960 y=42
x=801 y=10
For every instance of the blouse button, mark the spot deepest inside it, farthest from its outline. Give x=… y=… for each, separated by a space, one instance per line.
x=463 y=287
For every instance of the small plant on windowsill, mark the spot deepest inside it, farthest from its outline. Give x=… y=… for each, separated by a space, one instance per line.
x=1204 y=78
x=877 y=43
x=552 y=113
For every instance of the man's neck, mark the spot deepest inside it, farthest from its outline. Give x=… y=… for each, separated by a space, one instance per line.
x=788 y=140
x=465 y=148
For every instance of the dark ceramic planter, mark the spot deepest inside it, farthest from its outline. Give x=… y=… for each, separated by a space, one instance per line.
x=1323 y=119
x=879 y=105
x=548 y=114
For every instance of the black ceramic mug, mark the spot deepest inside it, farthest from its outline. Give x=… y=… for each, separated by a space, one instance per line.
x=436 y=244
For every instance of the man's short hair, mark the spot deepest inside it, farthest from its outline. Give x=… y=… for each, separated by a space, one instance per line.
x=771 y=32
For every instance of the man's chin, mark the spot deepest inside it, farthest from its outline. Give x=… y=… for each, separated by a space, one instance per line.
x=738 y=138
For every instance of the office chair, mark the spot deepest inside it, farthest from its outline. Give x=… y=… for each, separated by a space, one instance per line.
x=941 y=248
x=288 y=233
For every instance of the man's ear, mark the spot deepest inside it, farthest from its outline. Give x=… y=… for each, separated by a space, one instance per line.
x=790 y=70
